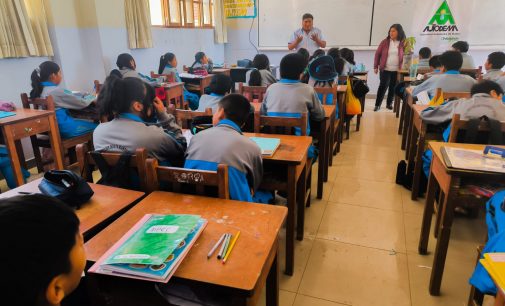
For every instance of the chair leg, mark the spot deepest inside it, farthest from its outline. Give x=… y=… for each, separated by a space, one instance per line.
x=358 y=122
x=440 y=204
x=36 y=154
x=348 y=127
x=309 y=186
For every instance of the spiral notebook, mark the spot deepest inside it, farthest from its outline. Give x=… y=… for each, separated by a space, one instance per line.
x=268 y=146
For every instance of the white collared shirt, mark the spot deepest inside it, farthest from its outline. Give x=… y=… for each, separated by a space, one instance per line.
x=307 y=42
x=393 y=62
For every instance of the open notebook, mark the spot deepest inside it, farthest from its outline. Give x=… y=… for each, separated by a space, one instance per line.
x=268 y=146
x=472 y=160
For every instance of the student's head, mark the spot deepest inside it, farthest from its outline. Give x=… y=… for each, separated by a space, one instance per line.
x=126 y=61
x=233 y=107
x=451 y=60
x=435 y=62
x=292 y=66
x=166 y=60
x=348 y=55
x=201 y=58
x=220 y=84
x=460 y=46
x=42 y=250
x=334 y=53
x=339 y=65
x=425 y=53
x=305 y=53
x=128 y=95
x=261 y=62
x=396 y=32
x=488 y=87
x=307 y=22
x=495 y=60
x=46 y=72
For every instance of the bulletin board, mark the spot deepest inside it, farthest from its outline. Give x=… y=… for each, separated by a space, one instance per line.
x=239 y=8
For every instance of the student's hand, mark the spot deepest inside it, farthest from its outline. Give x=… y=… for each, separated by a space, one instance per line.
x=158 y=105
x=376 y=70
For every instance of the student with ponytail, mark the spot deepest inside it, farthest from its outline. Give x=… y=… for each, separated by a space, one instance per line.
x=261 y=74
x=126 y=64
x=202 y=62
x=168 y=64
x=134 y=107
x=46 y=81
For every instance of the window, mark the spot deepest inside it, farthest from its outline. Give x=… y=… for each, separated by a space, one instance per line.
x=182 y=13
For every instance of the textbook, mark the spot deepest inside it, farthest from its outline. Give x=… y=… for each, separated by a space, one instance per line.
x=153 y=249
x=494 y=263
x=268 y=146
x=6 y=114
x=472 y=160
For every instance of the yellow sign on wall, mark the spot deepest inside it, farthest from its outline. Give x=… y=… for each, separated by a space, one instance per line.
x=239 y=8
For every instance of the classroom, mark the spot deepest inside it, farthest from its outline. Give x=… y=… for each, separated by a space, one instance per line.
x=252 y=152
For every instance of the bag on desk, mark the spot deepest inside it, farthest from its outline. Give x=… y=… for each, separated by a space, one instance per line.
x=66 y=186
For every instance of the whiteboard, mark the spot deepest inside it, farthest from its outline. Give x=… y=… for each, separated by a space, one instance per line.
x=388 y=12
x=342 y=22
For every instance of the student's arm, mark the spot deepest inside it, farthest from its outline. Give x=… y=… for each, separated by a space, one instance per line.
x=255 y=174
x=377 y=57
x=65 y=99
x=439 y=114
x=424 y=86
x=316 y=108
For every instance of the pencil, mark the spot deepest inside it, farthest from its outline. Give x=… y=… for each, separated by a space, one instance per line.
x=224 y=246
x=215 y=246
x=231 y=247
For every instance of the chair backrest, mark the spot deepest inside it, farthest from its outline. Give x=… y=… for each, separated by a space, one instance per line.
x=185 y=68
x=184 y=117
x=474 y=72
x=98 y=86
x=38 y=103
x=325 y=92
x=168 y=77
x=458 y=125
x=452 y=95
x=87 y=163
x=187 y=180
x=281 y=125
x=252 y=92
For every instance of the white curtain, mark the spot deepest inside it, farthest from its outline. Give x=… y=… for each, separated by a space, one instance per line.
x=220 y=29
x=138 y=24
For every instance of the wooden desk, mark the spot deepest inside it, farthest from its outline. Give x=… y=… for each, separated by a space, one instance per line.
x=253 y=262
x=26 y=123
x=400 y=78
x=449 y=181
x=225 y=71
x=106 y=205
x=201 y=82
x=406 y=120
x=174 y=94
x=341 y=91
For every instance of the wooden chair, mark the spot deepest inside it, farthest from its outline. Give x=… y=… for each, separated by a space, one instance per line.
x=252 y=93
x=180 y=177
x=474 y=73
x=168 y=77
x=452 y=95
x=476 y=298
x=42 y=141
x=184 y=117
x=326 y=92
x=87 y=163
x=458 y=125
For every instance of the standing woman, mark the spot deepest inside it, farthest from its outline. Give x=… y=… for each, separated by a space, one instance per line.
x=389 y=60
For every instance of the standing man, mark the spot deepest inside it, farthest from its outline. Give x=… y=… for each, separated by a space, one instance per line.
x=308 y=36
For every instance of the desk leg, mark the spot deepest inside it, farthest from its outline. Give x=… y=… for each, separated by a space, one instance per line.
x=418 y=167
x=331 y=141
x=427 y=215
x=55 y=141
x=407 y=125
x=321 y=165
x=444 y=234
x=397 y=106
x=402 y=118
x=13 y=153
x=273 y=284
x=411 y=149
x=327 y=148
x=301 y=195
x=290 y=223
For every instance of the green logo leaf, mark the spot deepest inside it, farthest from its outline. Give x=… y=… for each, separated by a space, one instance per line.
x=443 y=15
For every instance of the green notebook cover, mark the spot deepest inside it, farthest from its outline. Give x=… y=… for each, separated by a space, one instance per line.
x=267 y=145
x=155 y=240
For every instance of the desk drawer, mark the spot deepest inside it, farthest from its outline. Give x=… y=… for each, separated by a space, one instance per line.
x=30 y=127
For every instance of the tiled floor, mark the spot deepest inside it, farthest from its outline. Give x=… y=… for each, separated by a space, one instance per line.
x=361 y=240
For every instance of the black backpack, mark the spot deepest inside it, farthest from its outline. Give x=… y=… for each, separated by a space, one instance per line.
x=119 y=175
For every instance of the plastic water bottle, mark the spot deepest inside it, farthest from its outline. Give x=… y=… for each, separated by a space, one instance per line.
x=413 y=71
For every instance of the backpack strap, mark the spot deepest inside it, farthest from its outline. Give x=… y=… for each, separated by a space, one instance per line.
x=472 y=130
x=117 y=175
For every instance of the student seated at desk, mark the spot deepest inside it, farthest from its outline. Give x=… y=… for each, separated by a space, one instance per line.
x=242 y=155
x=486 y=101
x=450 y=79
x=494 y=63
x=202 y=63
x=43 y=252
x=261 y=74
x=132 y=103
x=424 y=58
x=349 y=63
x=435 y=67
x=220 y=85
x=305 y=53
x=126 y=64
x=46 y=81
x=462 y=47
x=168 y=64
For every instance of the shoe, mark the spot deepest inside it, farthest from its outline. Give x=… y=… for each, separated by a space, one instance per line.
x=390 y=107
x=376 y=108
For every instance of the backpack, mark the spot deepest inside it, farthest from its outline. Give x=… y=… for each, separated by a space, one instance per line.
x=472 y=134
x=120 y=175
x=359 y=88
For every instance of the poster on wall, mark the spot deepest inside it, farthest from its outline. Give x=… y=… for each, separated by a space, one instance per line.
x=239 y=8
x=440 y=23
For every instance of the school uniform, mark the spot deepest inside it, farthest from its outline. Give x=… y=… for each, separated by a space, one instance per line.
x=267 y=78
x=348 y=68
x=129 y=132
x=492 y=74
x=307 y=41
x=209 y=101
x=468 y=62
x=239 y=153
x=424 y=63
x=199 y=65
x=501 y=82
x=130 y=73
x=450 y=81
x=64 y=100
x=192 y=98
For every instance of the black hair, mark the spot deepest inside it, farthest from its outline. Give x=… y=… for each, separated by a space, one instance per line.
x=334 y=53
x=451 y=60
x=348 y=55
x=339 y=65
x=42 y=74
x=220 y=84
x=305 y=53
x=461 y=46
x=425 y=52
x=117 y=95
x=164 y=60
x=124 y=61
x=486 y=86
x=496 y=59
x=260 y=62
x=37 y=234
x=307 y=16
x=292 y=65
x=317 y=53
x=236 y=108
x=435 y=61
x=116 y=73
x=401 y=33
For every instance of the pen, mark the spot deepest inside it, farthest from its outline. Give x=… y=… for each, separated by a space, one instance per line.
x=224 y=247
x=215 y=246
x=231 y=247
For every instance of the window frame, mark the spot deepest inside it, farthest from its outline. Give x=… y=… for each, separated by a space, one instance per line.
x=182 y=8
